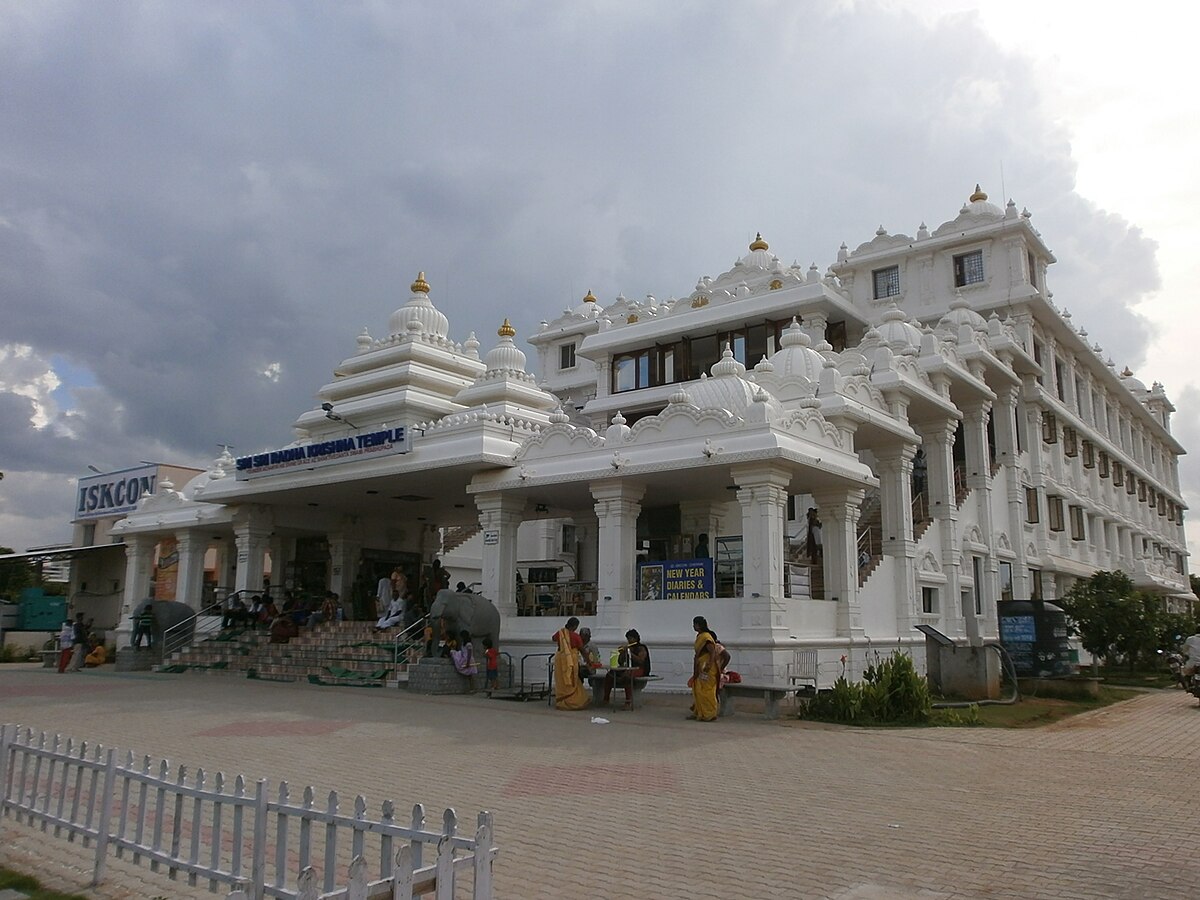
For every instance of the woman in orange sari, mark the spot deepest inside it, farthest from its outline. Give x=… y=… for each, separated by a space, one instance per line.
x=569 y=692
x=705 y=673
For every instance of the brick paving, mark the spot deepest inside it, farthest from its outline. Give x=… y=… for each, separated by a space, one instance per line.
x=652 y=806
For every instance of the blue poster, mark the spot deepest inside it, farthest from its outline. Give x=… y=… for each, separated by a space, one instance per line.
x=676 y=579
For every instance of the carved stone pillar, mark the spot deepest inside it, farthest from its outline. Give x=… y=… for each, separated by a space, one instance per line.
x=762 y=493
x=697 y=517
x=894 y=467
x=979 y=480
x=345 y=551
x=839 y=536
x=251 y=531
x=937 y=438
x=139 y=562
x=189 y=584
x=500 y=516
x=618 y=505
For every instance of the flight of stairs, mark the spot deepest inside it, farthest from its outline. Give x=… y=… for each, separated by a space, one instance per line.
x=325 y=652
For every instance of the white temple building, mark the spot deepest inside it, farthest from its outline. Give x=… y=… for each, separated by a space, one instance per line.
x=955 y=434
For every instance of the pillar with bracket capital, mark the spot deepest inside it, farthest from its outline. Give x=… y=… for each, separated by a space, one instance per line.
x=894 y=466
x=814 y=326
x=345 y=551
x=937 y=438
x=697 y=517
x=500 y=515
x=839 y=538
x=979 y=480
x=189 y=583
x=762 y=493
x=618 y=504
x=251 y=541
x=139 y=560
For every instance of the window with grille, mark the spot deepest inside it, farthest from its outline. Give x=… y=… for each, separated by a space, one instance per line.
x=887 y=282
x=1118 y=473
x=566 y=356
x=968 y=268
x=1089 y=455
x=1104 y=464
x=1031 y=505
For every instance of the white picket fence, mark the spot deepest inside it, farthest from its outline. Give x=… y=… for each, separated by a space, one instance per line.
x=233 y=838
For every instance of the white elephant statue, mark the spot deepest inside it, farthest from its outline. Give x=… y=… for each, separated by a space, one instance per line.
x=473 y=613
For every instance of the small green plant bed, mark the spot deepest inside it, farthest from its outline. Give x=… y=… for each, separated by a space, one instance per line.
x=18 y=882
x=891 y=693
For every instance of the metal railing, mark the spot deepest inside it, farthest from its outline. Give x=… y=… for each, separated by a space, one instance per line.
x=231 y=833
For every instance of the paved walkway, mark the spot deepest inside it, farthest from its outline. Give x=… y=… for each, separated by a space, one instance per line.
x=652 y=806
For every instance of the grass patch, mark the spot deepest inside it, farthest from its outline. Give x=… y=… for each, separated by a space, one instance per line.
x=27 y=883
x=1029 y=712
x=1122 y=677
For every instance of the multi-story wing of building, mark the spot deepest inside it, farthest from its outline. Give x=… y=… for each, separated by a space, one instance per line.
x=806 y=459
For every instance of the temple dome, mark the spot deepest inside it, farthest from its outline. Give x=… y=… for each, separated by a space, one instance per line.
x=589 y=307
x=419 y=310
x=897 y=331
x=1133 y=383
x=961 y=314
x=728 y=389
x=760 y=256
x=976 y=211
x=506 y=354
x=796 y=355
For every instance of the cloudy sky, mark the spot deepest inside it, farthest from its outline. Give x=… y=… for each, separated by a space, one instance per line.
x=202 y=203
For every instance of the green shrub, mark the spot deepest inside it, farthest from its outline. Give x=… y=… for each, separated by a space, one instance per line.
x=891 y=693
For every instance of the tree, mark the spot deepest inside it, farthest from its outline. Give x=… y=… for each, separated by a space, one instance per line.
x=14 y=575
x=1112 y=619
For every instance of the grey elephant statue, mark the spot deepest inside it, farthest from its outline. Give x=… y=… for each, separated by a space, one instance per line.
x=473 y=613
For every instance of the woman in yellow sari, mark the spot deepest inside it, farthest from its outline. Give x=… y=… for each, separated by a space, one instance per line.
x=569 y=692
x=705 y=673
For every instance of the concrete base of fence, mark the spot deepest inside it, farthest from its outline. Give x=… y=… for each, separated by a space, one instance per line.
x=130 y=660
x=434 y=675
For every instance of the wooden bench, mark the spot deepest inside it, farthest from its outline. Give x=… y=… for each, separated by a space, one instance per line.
x=597 y=683
x=770 y=694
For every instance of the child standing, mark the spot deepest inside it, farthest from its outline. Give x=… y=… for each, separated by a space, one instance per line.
x=492 y=660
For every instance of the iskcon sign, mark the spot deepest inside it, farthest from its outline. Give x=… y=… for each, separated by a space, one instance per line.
x=324 y=453
x=113 y=493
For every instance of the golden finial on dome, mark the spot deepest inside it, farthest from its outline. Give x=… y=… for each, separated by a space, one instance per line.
x=759 y=243
x=979 y=194
x=420 y=286
x=506 y=330
x=588 y=298
x=1128 y=373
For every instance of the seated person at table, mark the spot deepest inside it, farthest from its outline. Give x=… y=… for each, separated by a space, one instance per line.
x=636 y=656
x=589 y=656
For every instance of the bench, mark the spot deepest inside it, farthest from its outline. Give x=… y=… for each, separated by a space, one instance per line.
x=770 y=694
x=597 y=683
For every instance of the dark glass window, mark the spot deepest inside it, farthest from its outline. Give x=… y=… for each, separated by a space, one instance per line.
x=566 y=356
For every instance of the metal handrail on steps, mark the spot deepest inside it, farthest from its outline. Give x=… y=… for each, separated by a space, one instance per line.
x=408 y=638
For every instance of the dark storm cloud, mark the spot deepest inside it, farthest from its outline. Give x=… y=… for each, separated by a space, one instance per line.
x=190 y=192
